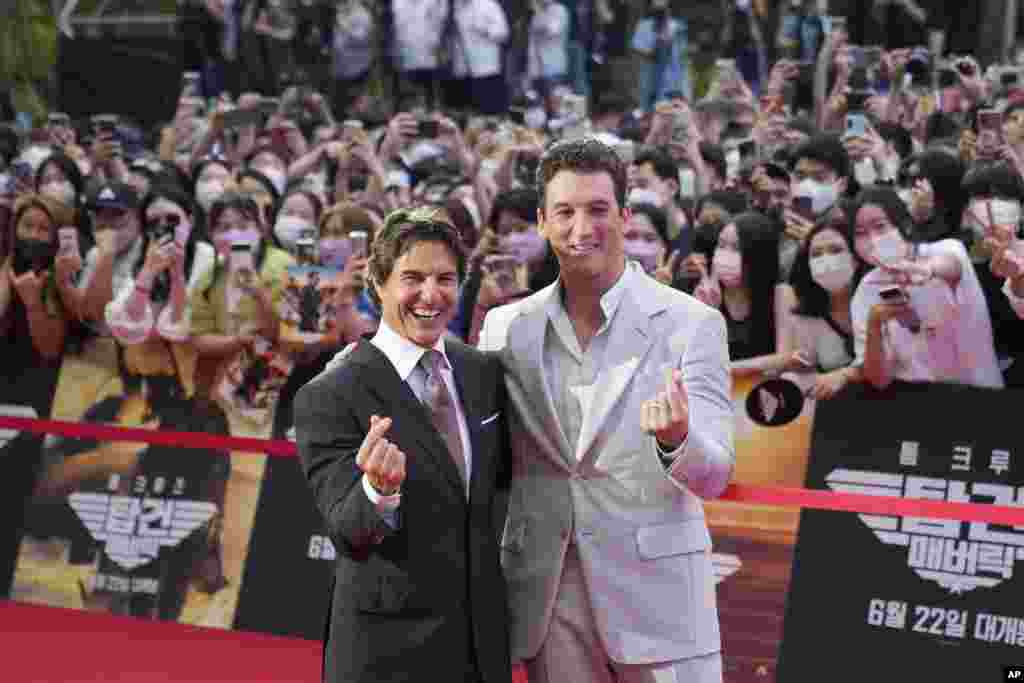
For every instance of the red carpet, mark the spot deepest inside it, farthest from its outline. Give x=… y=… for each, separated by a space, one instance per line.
x=48 y=645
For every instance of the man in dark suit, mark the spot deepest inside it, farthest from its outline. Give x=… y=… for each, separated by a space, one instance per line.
x=402 y=441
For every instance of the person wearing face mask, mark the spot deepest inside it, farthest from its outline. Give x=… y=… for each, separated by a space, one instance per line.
x=271 y=165
x=654 y=179
x=920 y=314
x=33 y=329
x=513 y=232
x=825 y=275
x=58 y=177
x=743 y=283
x=821 y=172
x=152 y=307
x=212 y=178
x=645 y=237
x=108 y=265
x=995 y=194
x=235 y=324
x=711 y=212
x=32 y=317
x=297 y=218
x=314 y=350
x=335 y=250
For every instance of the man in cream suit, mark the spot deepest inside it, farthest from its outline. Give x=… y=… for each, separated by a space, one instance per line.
x=622 y=423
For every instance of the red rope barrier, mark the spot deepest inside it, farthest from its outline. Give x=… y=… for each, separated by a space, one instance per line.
x=776 y=496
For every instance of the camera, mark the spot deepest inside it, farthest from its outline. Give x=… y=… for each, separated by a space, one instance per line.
x=427 y=128
x=358 y=183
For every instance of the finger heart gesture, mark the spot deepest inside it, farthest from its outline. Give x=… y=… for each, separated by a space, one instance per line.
x=667 y=415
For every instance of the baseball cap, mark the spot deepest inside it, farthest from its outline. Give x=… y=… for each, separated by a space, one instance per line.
x=113 y=196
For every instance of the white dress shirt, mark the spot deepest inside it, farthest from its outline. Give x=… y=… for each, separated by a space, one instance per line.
x=405 y=357
x=572 y=372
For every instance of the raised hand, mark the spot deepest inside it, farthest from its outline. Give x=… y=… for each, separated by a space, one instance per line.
x=381 y=461
x=667 y=268
x=667 y=416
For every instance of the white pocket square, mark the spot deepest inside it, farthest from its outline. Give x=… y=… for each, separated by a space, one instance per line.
x=491 y=419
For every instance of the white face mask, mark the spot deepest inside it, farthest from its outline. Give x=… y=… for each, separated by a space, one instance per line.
x=727 y=266
x=289 y=229
x=208 y=192
x=864 y=172
x=535 y=118
x=649 y=254
x=889 y=248
x=276 y=177
x=641 y=195
x=823 y=195
x=527 y=246
x=62 y=190
x=1005 y=212
x=833 y=272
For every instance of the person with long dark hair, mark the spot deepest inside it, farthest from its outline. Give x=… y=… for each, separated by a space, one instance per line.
x=821 y=285
x=154 y=305
x=743 y=283
x=235 y=322
x=920 y=315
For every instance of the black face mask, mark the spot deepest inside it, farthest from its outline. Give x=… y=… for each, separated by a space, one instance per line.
x=33 y=255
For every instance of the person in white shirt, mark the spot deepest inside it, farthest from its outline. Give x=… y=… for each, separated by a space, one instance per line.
x=920 y=315
x=548 y=51
x=154 y=304
x=481 y=28
x=419 y=35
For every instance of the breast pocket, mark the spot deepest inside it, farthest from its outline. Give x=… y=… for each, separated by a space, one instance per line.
x=668 y=540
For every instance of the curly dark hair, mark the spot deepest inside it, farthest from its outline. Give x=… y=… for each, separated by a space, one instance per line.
x=581 y=155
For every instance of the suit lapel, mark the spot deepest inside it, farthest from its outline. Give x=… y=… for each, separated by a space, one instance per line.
x=409 y=415
x=534 y=379
x=630 y=341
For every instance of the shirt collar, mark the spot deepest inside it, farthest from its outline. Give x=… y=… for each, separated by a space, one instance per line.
x=610 y=300
x=403 y=354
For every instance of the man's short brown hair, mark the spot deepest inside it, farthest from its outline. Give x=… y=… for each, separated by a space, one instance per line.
x=582 y=155
x=403 y=229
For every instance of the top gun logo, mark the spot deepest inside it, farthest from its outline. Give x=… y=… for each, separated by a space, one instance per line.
x=942 y=550
x=136 y=528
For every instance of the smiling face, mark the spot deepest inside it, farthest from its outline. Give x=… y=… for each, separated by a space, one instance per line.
x=419 y=297
x=584 y=223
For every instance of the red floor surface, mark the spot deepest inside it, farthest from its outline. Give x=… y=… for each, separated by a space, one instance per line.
x=48 y=645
